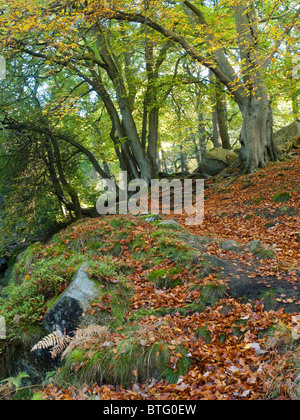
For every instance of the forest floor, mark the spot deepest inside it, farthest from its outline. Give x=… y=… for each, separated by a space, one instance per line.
x=229 y=310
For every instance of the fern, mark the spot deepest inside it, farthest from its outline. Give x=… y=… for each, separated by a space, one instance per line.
x=57 y=340
x=11 y=386
x=63 y=344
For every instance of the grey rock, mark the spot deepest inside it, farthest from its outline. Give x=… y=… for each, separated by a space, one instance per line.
x=67 y=311
x=169 y=222
x=286 y=134
x=254 y=245
x=230 y=245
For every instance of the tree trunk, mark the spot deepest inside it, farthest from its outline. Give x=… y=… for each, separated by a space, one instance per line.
x=256 y=138
x=221 y=111
x=216 y=138
x=70 y=190
x=148 y=169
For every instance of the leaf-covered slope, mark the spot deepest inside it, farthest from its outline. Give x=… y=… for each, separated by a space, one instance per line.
x=174 y=328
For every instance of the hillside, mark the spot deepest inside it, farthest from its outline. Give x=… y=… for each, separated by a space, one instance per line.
x=206 y=312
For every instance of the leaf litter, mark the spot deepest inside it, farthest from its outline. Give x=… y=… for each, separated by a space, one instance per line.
x=238 y=349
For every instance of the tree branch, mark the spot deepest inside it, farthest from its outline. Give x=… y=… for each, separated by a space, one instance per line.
x=288 y=29
x=233 y=85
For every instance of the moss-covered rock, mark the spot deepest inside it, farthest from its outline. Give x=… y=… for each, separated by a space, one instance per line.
x=281 y=197
x=216 y=160
x=224 y=155
x=264 y=254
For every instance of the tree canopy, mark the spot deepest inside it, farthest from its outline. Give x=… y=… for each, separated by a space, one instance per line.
x=96 y=86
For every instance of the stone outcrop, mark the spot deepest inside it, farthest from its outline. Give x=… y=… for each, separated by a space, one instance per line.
x=67 y=311
x=286 y=134
x=216 y=160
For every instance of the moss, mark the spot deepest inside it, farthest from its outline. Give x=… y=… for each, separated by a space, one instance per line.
x=158 y=233
x=142 y=313
x=174 y=249
x=165 y=278
x=121 y=222
x=90 y=241
x=137 y=243
x=24 y=262
x=189 y=309
x=264 y=254
x=170 y=227
x=270 y=299
x=115 y=293
x=281 y=197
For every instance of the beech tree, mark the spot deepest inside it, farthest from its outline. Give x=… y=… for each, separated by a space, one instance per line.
x=258 y=34
x=236 y=40
x=105 y=59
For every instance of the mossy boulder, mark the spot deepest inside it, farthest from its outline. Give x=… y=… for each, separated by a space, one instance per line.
x=264 y=254
x=165 y=278
x=216 y=160
x=170 y=224
x=286 y=135
x=281 y=197
x=224 y=155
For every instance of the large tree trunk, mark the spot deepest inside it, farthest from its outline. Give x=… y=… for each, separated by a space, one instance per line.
x=257 y=144
x=256 y=138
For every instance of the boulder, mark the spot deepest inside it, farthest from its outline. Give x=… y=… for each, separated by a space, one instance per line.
x=67 y=311
x=254 y=245
x=152 y=218
x=287 y=134
x=216 y=160
x=231 y=245
x=170 y=223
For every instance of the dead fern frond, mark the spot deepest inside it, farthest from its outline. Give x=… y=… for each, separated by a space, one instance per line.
x=91 y=331
x=82 y=335
x=57 y=340
x=63 y=344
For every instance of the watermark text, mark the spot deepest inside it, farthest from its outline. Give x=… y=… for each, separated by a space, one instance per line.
x=182 y=197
